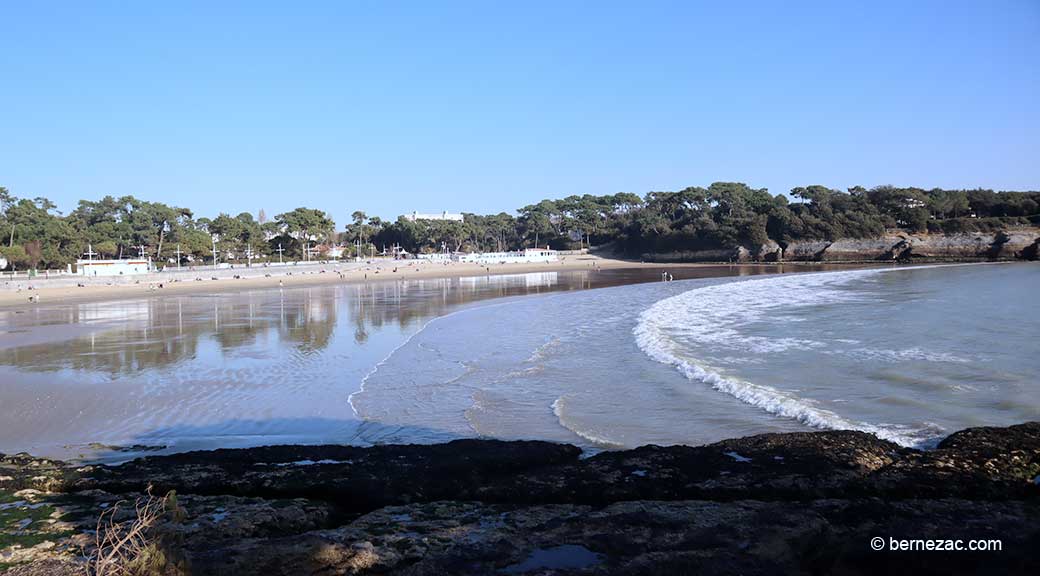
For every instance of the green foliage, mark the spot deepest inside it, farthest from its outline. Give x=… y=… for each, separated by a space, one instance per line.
x=15 y=255
x=722 y=215
x=306 y=226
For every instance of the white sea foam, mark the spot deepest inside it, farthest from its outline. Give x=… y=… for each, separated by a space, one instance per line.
x=712 y=318
x=559 y=408
x=542 y=351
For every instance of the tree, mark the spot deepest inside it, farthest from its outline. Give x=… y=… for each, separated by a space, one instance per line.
x=306 y=225
x=33 y=253
x=15 y=256
x=6 y=201
x=105 y=248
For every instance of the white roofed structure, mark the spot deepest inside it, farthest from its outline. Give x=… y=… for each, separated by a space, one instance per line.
x=114 y=267
x=450 y=216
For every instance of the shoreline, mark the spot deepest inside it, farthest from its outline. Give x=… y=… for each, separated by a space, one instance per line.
x=16 y=294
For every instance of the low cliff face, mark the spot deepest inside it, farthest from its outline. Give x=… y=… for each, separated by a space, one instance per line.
x=1011 y=245
x=772 y=504
x=1018 y=244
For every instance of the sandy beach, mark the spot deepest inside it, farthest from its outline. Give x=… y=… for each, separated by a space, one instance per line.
x=17 y=293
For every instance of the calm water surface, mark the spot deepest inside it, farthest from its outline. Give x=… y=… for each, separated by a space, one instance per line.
x=909 y=354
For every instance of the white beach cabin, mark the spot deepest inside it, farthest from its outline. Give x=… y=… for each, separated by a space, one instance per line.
x=114 y=267
x=527 y=255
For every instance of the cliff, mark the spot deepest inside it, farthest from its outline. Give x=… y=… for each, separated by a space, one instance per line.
x=1012 y=244
x=771 y=504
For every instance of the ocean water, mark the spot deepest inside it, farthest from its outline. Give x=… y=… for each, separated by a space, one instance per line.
x=909 y=354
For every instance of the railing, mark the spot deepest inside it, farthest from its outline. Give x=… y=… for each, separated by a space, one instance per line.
x=33 y=274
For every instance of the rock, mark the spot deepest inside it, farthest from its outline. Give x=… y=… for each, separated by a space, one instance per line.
x=1007 y=245
x=1010 y=244
x=647 y=537
x=49 y=567
x=809 y=251
x=902 y=250
x=22 y=471
x=1030 y=252
x=979 y=463
x=769 y=504
x=769 y=252
x=356 y=478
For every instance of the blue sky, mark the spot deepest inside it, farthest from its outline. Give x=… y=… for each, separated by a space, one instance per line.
x=481 y=107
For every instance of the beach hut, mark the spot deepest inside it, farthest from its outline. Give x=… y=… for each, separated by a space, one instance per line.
x=130 y=267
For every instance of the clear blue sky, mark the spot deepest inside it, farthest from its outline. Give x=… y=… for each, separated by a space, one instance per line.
x=486 y=106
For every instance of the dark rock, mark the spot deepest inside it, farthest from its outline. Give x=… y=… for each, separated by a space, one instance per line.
x=356 y=478
x=901 y=250
x=769 y=504
x=981 y=463
x=650 y=537
x=1031 y=251
x=22 y=471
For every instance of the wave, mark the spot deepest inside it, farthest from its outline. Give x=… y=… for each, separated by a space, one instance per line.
x=381 y=363
x=712 y=317
x=541 y=352
x=559 y=407
x=364 y=380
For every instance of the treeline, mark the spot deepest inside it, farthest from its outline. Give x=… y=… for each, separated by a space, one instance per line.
x=722 y=215
x=34 y=234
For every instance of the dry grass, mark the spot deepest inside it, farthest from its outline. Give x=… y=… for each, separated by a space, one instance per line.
x=133 y=547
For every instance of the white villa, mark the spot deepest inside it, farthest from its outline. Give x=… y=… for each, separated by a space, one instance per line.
x=114 y=267
x=450 y=216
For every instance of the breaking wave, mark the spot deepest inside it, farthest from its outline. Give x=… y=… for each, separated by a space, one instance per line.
x=559 y=408
x=713 y=316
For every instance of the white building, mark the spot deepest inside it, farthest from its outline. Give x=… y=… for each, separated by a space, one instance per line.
x=436 y=257
x=527 y=255
x=114 y=267
x=450 y=216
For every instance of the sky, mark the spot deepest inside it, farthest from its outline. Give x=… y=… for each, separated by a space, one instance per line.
x=390 y=107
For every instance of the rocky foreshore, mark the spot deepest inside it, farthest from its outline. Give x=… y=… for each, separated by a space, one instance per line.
x=800 y=503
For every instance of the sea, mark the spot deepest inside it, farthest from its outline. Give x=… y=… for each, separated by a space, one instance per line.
x=604 y=359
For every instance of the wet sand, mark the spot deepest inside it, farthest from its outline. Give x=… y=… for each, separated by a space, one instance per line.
x=16 y=294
